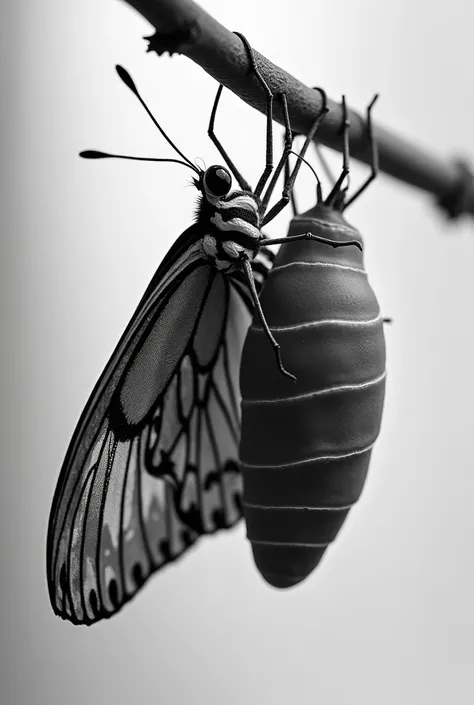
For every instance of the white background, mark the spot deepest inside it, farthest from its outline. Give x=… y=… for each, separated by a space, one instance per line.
x=388 y=617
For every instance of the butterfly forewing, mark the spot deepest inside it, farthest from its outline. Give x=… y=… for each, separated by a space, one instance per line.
x=153 y=463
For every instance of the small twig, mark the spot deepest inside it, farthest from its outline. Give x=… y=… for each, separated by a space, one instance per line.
x=185 y=28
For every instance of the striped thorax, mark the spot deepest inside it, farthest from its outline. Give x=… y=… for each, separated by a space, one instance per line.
x=232 y=222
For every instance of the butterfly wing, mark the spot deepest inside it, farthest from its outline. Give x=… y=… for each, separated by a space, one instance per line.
x=153 y=463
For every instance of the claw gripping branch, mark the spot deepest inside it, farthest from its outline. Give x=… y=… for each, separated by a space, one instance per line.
x=183 y=27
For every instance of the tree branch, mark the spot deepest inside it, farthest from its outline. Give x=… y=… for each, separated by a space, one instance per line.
x=185 y=28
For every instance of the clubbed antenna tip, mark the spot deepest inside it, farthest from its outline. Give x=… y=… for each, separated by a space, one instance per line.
x=93 y=154
x=126 y=78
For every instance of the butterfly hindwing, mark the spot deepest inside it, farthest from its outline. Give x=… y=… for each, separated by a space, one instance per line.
x=153 y=463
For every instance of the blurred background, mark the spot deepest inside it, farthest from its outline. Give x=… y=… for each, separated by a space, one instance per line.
x=389 y=616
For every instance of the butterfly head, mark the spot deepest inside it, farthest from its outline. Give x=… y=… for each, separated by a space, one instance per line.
x=231 y=221
x=216 y=182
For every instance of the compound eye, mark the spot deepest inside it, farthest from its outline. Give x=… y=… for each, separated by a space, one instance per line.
x=217 y=181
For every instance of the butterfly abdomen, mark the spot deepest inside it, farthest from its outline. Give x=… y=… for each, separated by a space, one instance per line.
x=305 y=446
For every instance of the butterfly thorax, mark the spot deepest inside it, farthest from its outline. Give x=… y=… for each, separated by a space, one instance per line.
x=232 y=229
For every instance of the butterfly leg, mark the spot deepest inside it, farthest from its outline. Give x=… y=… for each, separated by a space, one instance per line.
x=374 y=156
x=294 y=205
x=309 y=236
x=283 y=163
x=324 y=164
x=288 y=187
x=249 y=274
x=244 y=185
x=269 y=98
x=336 y=197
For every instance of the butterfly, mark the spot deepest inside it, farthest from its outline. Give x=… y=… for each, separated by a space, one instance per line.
x=153 y=462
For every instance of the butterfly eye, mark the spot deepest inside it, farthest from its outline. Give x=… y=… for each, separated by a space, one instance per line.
x=217 y=181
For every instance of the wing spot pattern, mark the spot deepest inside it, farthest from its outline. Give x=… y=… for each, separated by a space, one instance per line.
x=137 y=574
x=93 y=603
x=164 y=549
x=113 y=593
